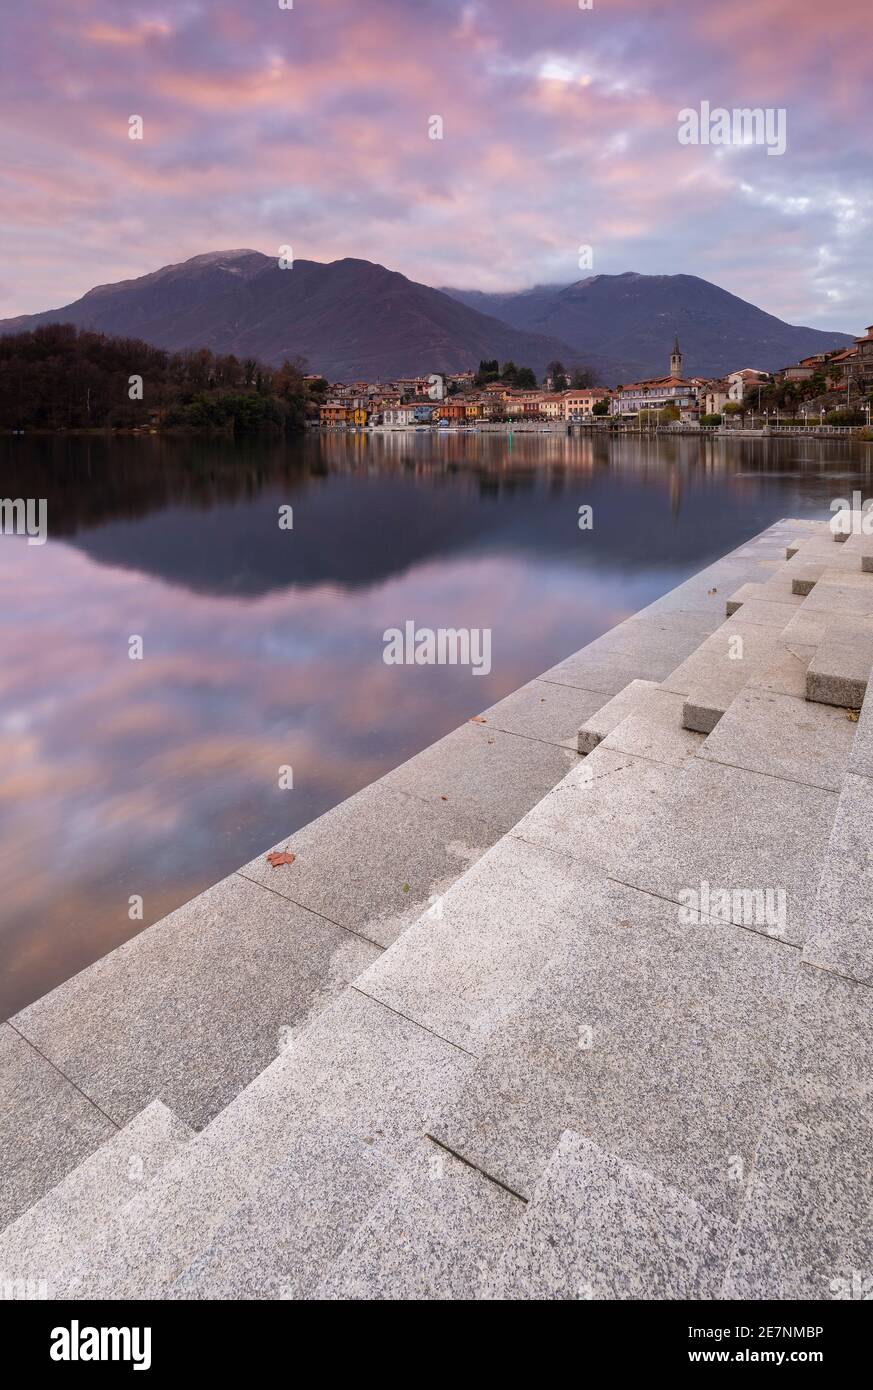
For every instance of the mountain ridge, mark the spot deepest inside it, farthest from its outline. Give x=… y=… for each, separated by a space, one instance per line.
x=356 y=319
x=632 y=318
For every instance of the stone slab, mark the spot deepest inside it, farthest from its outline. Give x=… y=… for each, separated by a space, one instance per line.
x=783 y=736
x=655 y=731
x=712 y=659
x=608 y=669
x=374 y=862
x=488 y=776
x=653 y=632
x=841 y=922
x=476 y=954
x=47 y=1127
x=775 y=590
x=718 y=671
x=840 y=669
x=279 y=1242
x=599 y=725
x=739 y=831
x=842 y=593
x=602 y=804
x=767 y=612
x=861 y=761
x=786 y=674
x=33 y=1246
x=544 y=711
x=359 y=1073
x=600 y=1228
x=436 y=1233
x=195 y=1007
x=656 y=1037
x=705 y=592
x=805 y=1231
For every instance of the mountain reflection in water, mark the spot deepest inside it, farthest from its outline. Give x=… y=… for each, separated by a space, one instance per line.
x=263 y=646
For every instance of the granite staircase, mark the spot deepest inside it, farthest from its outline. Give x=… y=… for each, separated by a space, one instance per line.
x=624 y=1054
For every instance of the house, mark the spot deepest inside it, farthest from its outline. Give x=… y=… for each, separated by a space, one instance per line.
x=742 y=383
x=713 y=396
x=861 y=369
x=798 y=372
x=402 y=416
x=452 y=410
x=552 y=405
x=334 y=413
x=579 y=404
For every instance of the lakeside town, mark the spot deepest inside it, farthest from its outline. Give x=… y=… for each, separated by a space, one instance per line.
x=832 y=390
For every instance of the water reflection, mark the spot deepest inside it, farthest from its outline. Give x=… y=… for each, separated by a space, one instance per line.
x=263 y=647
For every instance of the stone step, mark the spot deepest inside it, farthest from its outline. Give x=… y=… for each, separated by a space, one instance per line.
x=599 y=1228
x=712 y=678
x=772 y=728
x=775 y=590
x=844 y=593
x=476 y=953
x=599 y=725
x=840 y=936
x=34 y=1246
x=279 y=1241
x=760 y=835
x=654 y=1035
x=437 y=1232
x=840 y=668
x=358 y=1077
x=805 y=1230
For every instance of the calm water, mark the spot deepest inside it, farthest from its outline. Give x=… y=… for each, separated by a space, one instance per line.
x=263 y=647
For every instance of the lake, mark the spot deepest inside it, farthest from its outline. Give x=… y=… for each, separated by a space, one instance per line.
x=262 y=647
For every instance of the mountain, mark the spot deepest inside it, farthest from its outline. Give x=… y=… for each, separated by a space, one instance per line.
x=625 y=324
x=350 y=319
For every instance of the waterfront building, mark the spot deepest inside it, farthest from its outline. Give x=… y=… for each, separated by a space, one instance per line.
x=579 y=403
x=659 y=392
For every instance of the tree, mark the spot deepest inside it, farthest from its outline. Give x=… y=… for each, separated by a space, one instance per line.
x=509 y=373
x=580 y=379
x=557 y=375
x=489 y=370
x=525 y=378
x=601 y=407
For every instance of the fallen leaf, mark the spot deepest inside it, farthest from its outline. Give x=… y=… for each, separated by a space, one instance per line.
x=280 y=857
x=853 y=714
x=406 y=887
x=477 y=719
x=444 y=798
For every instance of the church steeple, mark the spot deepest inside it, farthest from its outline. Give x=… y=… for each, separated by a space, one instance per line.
x=676 y=358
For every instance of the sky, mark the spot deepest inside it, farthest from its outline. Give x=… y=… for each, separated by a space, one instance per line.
x=312 y=127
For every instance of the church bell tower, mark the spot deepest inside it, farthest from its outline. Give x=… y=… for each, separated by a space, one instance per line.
x=676 y=359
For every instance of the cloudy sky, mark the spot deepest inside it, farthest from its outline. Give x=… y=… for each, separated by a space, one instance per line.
x=310 y=126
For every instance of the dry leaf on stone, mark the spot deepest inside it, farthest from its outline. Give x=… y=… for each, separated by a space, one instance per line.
x=280 y=857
